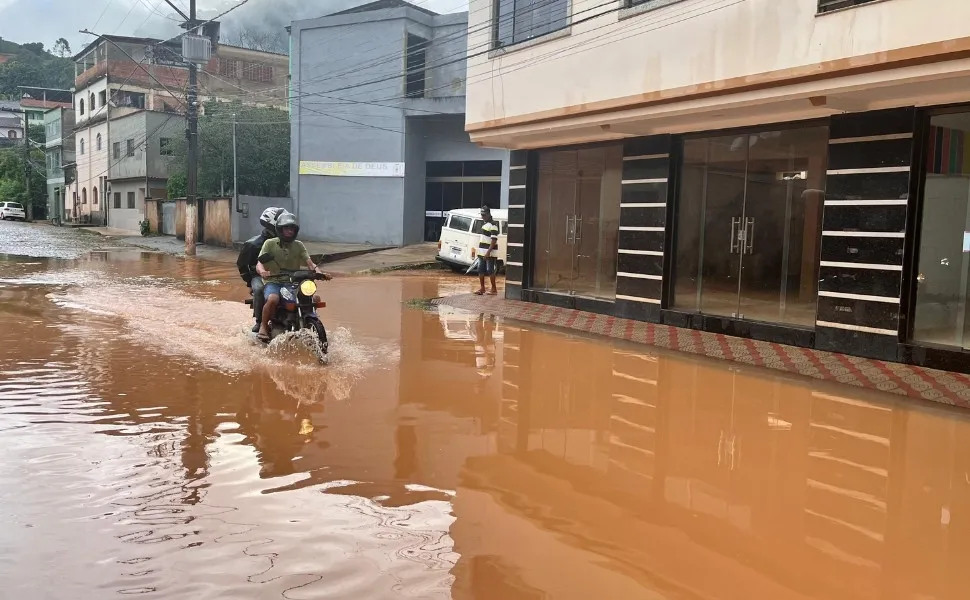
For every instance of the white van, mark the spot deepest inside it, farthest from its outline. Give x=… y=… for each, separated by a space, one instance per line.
x=461 y=234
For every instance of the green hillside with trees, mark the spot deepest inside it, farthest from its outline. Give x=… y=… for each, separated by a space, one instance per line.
x=33 y=65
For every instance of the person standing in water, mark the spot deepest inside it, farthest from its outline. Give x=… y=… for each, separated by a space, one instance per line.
x=487 y=247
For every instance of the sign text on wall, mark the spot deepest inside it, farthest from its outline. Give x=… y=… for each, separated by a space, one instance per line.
x=351 y=169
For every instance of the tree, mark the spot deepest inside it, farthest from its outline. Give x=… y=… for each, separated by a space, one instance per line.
x=254 y=39
x=263 y=149
x=62 y=48
x=33 y=66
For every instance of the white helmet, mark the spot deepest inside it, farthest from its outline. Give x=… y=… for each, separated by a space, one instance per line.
x=269 y=216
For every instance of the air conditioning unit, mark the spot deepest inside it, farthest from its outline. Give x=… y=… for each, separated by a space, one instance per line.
x=196 y=48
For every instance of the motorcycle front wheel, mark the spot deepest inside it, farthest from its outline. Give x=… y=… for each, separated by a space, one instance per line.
x=321 y=332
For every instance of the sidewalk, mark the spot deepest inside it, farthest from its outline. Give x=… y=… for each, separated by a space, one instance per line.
x=338 y=257
x=904 y=380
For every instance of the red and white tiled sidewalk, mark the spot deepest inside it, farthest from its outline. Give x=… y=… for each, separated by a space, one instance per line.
x=906 y=380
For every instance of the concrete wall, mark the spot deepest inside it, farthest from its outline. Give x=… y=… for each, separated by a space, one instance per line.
x=245 y=227
x=147 y=160
x=365 y=51
x=348 y=209
x=692 y=54
x=127 y=218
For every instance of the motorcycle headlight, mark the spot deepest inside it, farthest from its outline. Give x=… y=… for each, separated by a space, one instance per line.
x=308 y=288
x=287 y=294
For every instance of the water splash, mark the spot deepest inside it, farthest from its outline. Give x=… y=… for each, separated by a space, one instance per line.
x=216 y=333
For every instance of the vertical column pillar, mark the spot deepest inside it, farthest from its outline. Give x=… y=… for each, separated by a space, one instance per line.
x=643 y=220
x=521 y=191
x=863 y=230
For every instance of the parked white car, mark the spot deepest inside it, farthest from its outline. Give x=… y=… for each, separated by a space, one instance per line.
x=13 y=211
x=461 y=234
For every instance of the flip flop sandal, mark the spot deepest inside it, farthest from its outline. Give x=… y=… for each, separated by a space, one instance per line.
x=479 y=293
x=263 y=337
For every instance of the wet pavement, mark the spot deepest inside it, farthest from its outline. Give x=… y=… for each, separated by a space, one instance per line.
x=151 y=447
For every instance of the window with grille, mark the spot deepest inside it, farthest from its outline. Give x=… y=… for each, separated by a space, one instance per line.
x=165 y=146
x=131 y=147
x=117 y=200
x=414 y=75
x=259 y=73
x=520 y=20
x=825 y=6
x=131 y=199
x=228 y=68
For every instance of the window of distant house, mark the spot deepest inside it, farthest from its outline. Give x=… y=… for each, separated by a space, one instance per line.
x=520 y=20
x=94 y=195
x=12 y=134
x=84 y=195
x=80 y=146
x=131 y=147
x=80 y=106
x=165 y=146
x=414 y=74
x=91 y=103
x=825 y=6
x=103 y=97
x=228 y=68
x=116 y=150
x=97 y=142
x=117 y=203
x=258 y=72
x=131 y=199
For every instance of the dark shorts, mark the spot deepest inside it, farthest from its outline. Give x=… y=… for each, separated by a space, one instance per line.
x=487 y=266
x=271 y=288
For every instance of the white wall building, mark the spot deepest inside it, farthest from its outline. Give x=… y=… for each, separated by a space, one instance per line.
x=790 y=170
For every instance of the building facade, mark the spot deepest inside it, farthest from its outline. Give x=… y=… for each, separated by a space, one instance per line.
x=805 y=182
x=378 y=147
x=36 y=101
x=129 y=107
x=59 y=151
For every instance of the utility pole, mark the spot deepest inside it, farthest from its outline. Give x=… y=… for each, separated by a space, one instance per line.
x=29 y=204
x=235 y=172
x=192 y=133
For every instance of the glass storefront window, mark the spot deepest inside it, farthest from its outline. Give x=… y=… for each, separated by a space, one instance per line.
x=944 y=249
x=578 y=221
x=749 y=223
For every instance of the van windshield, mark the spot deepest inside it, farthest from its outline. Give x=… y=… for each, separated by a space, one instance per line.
x=459 y=223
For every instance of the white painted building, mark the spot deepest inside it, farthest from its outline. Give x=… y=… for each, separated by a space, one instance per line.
x=790 y=170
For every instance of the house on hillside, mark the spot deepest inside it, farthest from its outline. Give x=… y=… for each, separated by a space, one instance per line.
x=36 y=101
x=11 y=129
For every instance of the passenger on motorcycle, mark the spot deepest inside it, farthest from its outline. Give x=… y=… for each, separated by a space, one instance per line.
x=249 y=256
x=279 y=256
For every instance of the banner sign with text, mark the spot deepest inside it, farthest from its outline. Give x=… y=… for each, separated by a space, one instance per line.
x=351 y=169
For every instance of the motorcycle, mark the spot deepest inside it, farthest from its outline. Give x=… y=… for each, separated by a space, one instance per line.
x=298 y=306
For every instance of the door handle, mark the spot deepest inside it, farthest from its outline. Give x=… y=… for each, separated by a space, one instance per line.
x=568 y=219
x=578 y=229
x=735 y=235
x=749 y=235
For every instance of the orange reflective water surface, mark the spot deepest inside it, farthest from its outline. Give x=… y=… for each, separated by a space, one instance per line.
x=151 y=447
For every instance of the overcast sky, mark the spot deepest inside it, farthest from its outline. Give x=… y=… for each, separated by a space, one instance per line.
x=45 y=21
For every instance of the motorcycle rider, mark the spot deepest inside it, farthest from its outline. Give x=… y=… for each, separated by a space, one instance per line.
x=249 y=256
x=277 y=256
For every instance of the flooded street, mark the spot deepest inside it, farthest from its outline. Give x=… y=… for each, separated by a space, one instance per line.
x=152 y=447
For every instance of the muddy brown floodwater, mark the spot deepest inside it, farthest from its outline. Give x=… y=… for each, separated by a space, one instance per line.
x=150 y=447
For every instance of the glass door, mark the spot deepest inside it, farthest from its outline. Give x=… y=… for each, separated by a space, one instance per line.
x=578 y=221
x=749 y=225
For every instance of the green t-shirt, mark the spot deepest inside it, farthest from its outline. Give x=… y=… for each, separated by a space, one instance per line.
x=286 y=257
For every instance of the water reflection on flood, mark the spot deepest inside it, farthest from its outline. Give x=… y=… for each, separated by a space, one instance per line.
x=444 y=454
